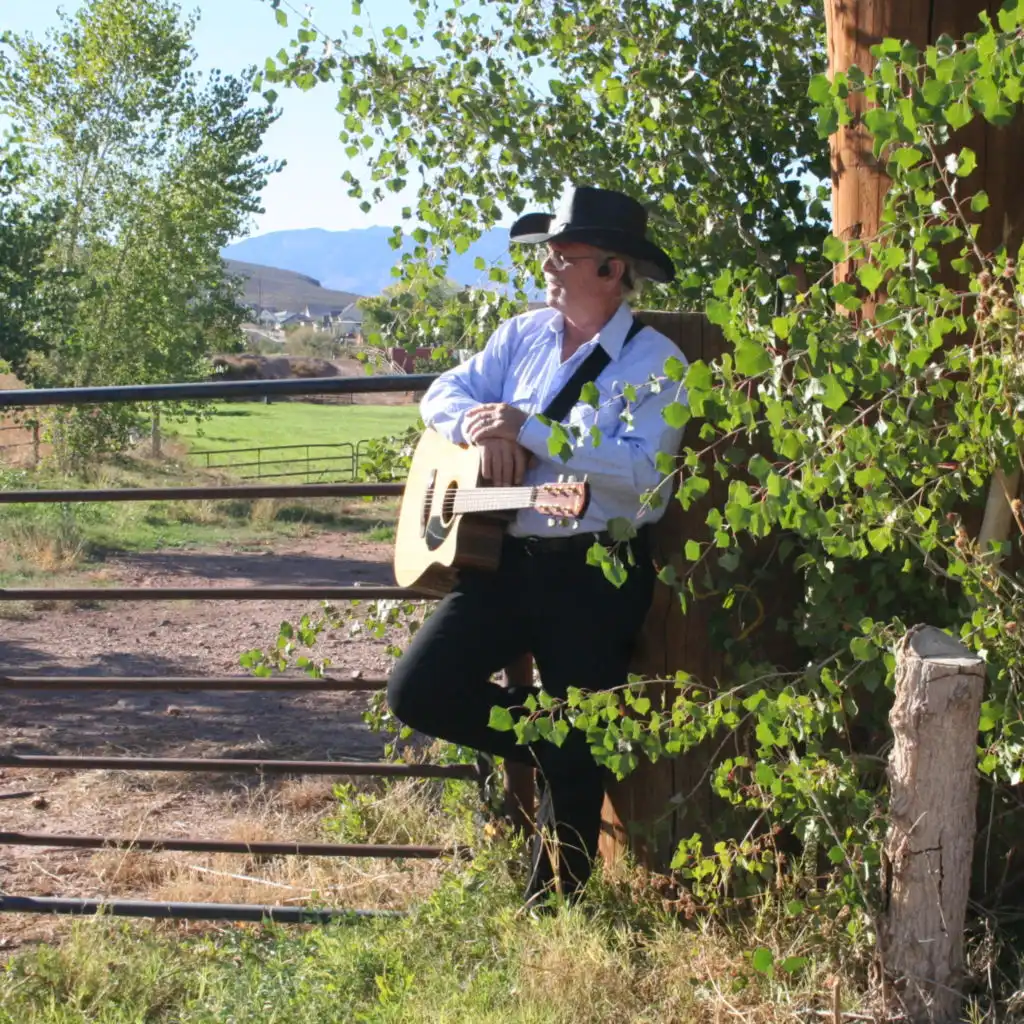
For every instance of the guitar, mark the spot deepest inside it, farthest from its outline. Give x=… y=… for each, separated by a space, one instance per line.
x=450 y=520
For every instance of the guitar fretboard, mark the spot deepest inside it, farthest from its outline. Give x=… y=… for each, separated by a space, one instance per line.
x=489 y=499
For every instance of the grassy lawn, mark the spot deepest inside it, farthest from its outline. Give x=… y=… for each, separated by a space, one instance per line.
x=44 y=539
x=253 y=424
x=464 y=954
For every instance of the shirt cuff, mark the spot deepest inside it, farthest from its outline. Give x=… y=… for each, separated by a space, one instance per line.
x=533 y=436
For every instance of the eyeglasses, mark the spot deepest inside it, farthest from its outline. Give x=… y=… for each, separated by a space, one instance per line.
x=561 y=262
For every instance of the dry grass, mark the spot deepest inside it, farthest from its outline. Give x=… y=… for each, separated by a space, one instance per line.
x=52 y=544
x=135 y=804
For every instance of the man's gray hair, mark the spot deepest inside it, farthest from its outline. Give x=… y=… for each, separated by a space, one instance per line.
x=632 y=279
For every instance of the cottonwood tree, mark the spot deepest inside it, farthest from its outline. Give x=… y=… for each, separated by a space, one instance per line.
x=31 y=291
x=155 y=169
x=699 y=109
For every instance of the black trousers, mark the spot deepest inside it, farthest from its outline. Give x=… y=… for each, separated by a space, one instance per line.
x=580 y=630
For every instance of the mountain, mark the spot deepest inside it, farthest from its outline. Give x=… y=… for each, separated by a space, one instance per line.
x=357 y=260
x=271 y=287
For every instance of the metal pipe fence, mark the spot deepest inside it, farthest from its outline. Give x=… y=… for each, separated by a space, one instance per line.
x=10 y=683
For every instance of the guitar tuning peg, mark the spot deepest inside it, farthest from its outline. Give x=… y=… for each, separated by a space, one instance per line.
x=551 y=521
x=571 y=478
x=575 y=524
x=561 y=478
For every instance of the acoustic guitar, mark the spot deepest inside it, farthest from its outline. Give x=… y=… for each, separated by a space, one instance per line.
x=450 y=520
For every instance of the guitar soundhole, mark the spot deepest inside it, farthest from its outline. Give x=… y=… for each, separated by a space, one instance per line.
x=448 y=505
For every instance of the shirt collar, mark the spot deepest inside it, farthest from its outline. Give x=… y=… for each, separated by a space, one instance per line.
x=611 y=337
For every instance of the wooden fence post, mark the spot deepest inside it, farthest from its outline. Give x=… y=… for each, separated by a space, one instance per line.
x=155 y=433
x=934 y=795
x=519 y=778
x=35 y=444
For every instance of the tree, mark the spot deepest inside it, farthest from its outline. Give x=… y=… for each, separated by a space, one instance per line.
x=428 y=311
x=155 y=171
x=29 y=289
x=700 y=109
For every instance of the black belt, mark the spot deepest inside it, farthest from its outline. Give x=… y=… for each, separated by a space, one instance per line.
x=569 y=543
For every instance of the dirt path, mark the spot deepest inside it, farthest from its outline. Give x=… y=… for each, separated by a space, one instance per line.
x=171 y=638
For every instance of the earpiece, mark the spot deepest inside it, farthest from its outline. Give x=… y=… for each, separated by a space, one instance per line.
x=604 y=270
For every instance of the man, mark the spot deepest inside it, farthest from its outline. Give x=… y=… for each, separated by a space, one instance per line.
x=545 y=599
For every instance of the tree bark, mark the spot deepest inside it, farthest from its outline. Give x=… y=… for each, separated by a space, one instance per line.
x=934 y=792
x=859 y=183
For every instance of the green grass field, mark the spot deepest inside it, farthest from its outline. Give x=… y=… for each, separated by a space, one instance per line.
x=253 y=424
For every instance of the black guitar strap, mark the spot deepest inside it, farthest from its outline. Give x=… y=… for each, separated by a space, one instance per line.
x=587 y=372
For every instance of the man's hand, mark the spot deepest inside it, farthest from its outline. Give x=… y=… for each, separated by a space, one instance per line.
x=494 y=420
x=504 y=462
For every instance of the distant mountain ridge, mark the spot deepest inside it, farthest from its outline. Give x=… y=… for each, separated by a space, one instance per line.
x=270 y=287
x=358 y=260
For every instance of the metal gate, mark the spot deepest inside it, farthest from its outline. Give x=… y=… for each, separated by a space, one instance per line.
x=10 y=400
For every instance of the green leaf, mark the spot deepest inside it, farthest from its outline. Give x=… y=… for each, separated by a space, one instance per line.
x=751 y=359
x=834 y=250
x=834 y=395
x=699 y=377
x=676 y=415
x=979 y=202
x=717 y=311
x=764 y=774
x=1011 y=15
x=675 y=369
x=820 y=89
x=959 y=114
x=282 y=18
x=870 y=276
x=966 y=162
x=762 y=960
x=501 y=720
x=590 y=395
x=792 y=964
x=880 y=538
x=692 y=551
x=845 y=294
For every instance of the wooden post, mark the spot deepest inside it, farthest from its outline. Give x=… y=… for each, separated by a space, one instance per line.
x=859 y=183
x=519 y=778
x=928 y=850
x=35 y=443
x=155 y=433
x=648 y=813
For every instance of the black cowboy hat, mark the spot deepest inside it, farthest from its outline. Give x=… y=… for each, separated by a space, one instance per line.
x=602 y=218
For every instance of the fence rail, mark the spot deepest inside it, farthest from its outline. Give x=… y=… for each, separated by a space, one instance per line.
x=10 y=683
x=351 y=459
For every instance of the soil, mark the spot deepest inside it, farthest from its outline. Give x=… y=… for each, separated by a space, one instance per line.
x=168 y=638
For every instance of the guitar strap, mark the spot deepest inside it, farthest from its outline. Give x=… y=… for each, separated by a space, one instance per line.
x=586 y=373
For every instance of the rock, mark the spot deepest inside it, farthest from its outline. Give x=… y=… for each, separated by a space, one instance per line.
x=173 y=709
x=39 y=802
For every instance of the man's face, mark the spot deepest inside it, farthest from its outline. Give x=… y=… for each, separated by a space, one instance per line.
x=570 y=270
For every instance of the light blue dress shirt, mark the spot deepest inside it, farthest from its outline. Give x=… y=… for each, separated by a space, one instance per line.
x=521 y=365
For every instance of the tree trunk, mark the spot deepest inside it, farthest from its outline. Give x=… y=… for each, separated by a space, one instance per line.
x=859 y=183
x=934 y=792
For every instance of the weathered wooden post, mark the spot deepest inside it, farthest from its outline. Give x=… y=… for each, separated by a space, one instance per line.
x=934 y=793
x=658 y=804
x=155 y=433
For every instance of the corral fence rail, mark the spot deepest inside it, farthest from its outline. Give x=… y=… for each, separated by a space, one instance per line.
x=11 y=401
x=350 y=456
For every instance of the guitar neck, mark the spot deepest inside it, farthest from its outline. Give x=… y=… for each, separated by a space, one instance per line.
x=493 y=499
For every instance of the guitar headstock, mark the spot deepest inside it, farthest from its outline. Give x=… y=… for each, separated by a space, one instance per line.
x=566 y=499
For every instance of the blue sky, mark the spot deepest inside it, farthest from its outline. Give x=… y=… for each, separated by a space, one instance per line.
x=232 y=34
